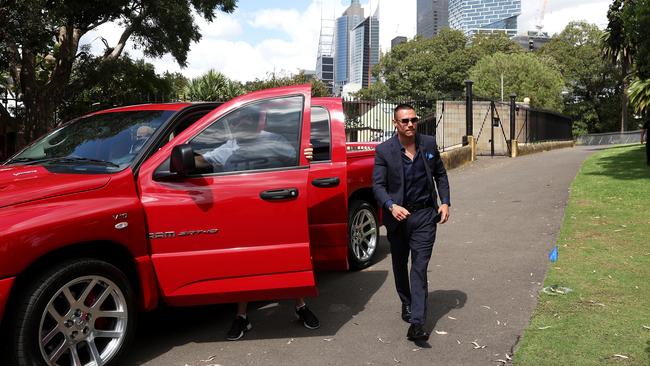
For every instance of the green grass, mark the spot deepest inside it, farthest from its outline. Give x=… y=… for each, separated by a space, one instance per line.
x=604 y=257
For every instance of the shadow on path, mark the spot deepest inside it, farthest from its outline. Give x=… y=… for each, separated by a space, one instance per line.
x=341 y=297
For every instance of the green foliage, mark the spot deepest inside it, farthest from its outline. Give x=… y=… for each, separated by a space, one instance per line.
x=39 y=43
x=213 y=86
x=318 y=88
x=485 y=44
x=639 y=92
x=177 y=81
x=95 y=84
x=629 y=22
x=592 y=90
x=426 y=68
x=523 y=74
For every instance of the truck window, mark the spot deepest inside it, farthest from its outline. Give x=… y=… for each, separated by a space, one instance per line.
x=100 y=143
x=261 y=135
x=321 y=138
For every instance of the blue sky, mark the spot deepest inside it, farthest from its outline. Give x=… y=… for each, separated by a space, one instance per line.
x=282 y=36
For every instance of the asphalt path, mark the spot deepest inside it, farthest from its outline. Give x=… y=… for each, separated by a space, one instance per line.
x=487 y=268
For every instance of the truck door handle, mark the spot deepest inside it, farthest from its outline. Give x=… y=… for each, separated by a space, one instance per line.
x=279 y=194
x=326 y=182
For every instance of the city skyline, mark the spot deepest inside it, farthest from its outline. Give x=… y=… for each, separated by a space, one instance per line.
x=282 y=36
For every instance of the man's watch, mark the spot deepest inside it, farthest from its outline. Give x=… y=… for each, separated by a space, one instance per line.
x=391 y=207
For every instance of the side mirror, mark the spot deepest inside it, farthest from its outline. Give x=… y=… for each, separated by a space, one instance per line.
x=181 y=161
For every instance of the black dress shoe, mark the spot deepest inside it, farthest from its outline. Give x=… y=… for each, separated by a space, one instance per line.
x=416 y=333
x=406 y=313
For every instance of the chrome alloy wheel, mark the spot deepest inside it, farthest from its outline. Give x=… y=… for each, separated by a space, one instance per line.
x=363 y=235
x=84 y=323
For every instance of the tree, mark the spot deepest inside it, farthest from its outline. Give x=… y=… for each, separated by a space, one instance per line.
x=213 y=86
x=523 y=74
x=485 y=44
x=95 y=84
x=426 y=69
x=618 y=49
x=591 y=81
x=39 y=42
x=178 y=83
x=636 y=22
x=318 y=87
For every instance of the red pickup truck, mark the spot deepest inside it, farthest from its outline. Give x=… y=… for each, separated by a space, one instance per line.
x=111 y=214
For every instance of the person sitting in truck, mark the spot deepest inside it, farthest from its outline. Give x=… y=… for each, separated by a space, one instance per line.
x=142 y=134
x=248 y=148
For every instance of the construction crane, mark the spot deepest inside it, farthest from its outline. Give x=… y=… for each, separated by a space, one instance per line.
x=540 y=18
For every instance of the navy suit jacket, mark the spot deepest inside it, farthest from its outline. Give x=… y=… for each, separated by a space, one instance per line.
x=388 y=174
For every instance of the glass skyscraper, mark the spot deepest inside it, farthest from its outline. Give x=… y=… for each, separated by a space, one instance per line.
x=364 y=51
x=352 y=16
x=432 y=16
x=484 y=16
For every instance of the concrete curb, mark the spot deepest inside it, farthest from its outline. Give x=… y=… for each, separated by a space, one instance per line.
x=525 y=149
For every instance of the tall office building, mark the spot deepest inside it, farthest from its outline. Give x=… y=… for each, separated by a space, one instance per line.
x=484 y=16
x=364 y=51
x=432 y=16
x=325 y=57
x=352 y=16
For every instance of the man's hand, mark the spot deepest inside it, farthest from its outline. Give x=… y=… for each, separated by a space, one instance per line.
x=399 y=212
x=309 y=152
x=444 y=213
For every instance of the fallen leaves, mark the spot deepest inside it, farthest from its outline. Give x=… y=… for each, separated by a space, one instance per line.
x=477 y=346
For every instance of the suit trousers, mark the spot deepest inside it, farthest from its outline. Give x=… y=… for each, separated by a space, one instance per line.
x=414 y=236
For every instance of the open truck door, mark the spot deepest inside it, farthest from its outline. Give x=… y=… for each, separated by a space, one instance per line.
x=227 y=210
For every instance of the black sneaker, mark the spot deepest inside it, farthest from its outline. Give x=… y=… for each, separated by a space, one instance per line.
x=309 y=320
x=239 y=327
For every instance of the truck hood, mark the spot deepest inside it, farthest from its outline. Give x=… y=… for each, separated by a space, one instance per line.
x=20 y=184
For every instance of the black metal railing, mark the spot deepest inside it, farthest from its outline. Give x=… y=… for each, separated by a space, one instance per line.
x=372 y=120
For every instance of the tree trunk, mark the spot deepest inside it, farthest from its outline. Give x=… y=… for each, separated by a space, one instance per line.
x=624 y=96
x=42 y=99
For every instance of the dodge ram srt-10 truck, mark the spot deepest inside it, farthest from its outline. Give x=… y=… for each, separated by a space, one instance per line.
x=111 y=214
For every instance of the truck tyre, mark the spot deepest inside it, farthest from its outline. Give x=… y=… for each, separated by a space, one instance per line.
x=363 y=234
x=80 y=312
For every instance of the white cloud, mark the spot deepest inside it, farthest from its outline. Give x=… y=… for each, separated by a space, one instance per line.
x=559 y=13
x=223 y=26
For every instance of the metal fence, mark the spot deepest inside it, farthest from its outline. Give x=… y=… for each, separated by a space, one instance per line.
x=539 y=125
x=611 y=138
x=372 y=120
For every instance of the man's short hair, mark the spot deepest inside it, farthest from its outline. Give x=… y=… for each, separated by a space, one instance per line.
x=401 y=107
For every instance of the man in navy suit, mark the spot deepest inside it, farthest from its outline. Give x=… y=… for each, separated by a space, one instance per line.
x=406 y=166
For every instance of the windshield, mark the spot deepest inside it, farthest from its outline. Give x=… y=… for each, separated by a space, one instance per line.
x=101 y=143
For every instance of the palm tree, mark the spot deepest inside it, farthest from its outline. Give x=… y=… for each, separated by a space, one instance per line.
x=213 y=86
x=639 y=92
x=618 y=50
